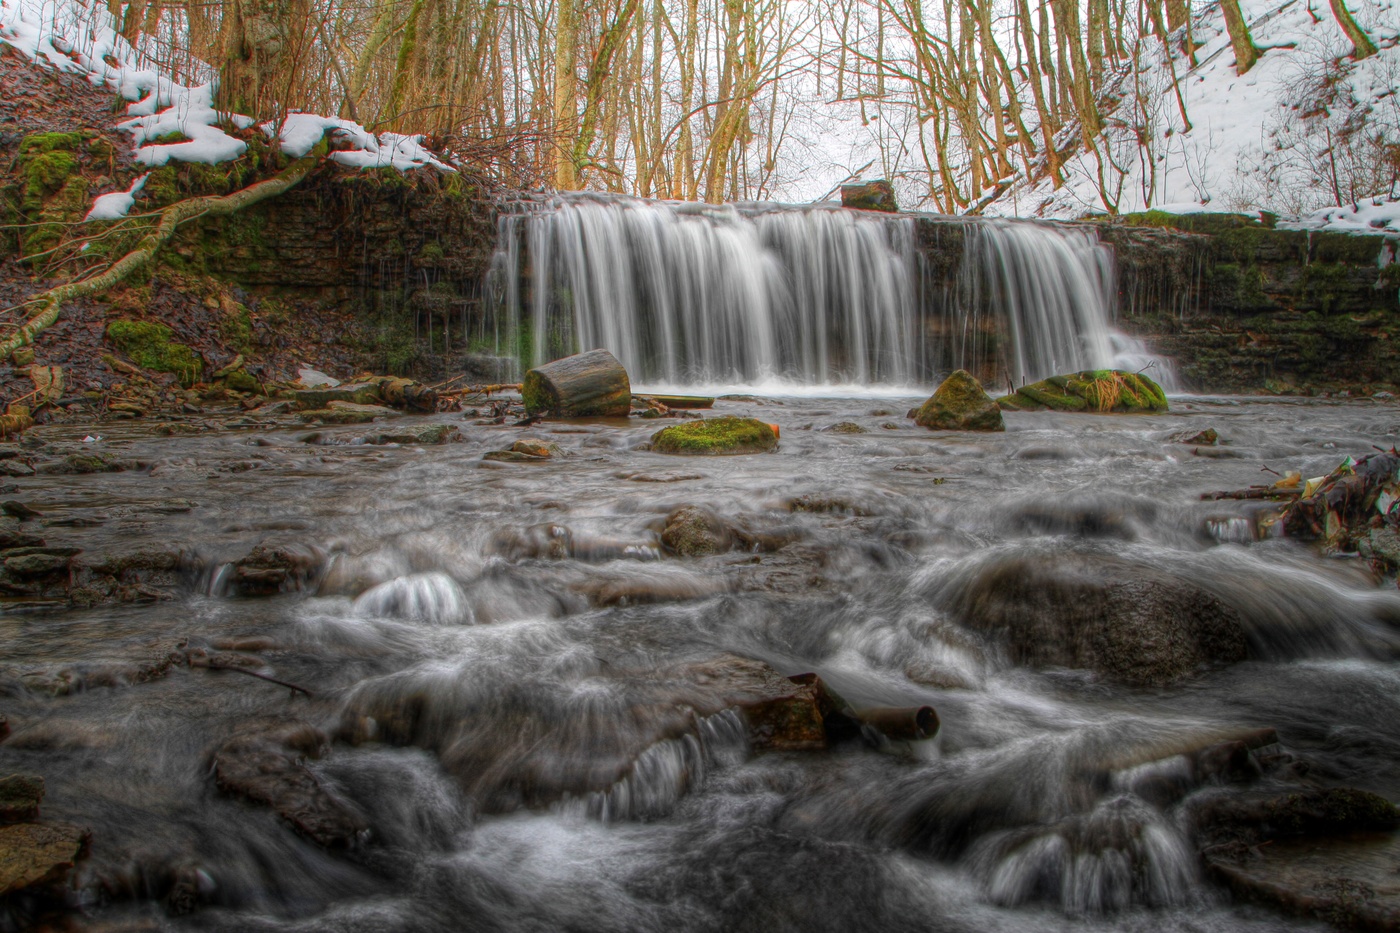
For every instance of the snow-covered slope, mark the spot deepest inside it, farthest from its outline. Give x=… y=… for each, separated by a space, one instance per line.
x=1294 y=135
x=169 y=121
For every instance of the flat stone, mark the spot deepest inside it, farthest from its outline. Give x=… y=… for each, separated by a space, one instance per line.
x=360 y=393
x=426 y=434
x=36 y=565
x=15 y=468
x=34 y=854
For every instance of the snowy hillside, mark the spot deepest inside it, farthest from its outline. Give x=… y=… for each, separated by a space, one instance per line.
x=1293 y=135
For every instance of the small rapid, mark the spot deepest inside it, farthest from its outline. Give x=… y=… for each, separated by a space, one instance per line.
x=518 y=710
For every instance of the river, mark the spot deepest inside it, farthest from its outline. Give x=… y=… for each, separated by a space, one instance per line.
x=482 y=641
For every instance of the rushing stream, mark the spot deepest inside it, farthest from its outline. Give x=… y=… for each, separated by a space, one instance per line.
x=494 y=653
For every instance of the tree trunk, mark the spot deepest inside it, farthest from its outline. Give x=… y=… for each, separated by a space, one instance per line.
x=1362 y=45
x=565 y=94
x=254 y=37
x=583 y=385
x=1246 y=53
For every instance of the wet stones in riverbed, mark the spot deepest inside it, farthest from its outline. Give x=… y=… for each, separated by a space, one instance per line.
x=1125 y=622
x=1323 y=853
x=276 y=567
x=263 y=765
x=526 y=450
x=35 y=858
x=337 y=412
x=959 y=404
x=513 y=743
x=1099 y=391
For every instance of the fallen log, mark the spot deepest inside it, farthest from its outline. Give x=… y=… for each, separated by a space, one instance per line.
x=583 y=385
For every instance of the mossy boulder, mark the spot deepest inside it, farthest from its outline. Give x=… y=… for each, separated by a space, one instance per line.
x=959 y=404
x=693 y=532
x=1095 y=391
x=712 y=436
x=148 y=345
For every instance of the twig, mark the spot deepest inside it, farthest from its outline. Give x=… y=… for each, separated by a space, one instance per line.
x=210 y=665
x=1265 y=469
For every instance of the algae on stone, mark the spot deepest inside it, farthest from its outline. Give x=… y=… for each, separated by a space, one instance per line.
x=1094 y=391
x=148 y=345
x=960 y=404
x=710 y=436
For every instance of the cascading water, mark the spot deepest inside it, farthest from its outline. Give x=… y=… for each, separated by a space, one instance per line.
x=697 y=294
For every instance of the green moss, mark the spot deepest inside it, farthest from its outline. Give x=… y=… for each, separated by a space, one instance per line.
x=39 y=143
x=534 y=396
x=162 y=186
x=1095 y=391
x=716 y=436
x=431 y=253
x=1390 y=276
x=166 y=139
x=243 y=381
x=148 y=345
x=236 y=327
x=44 y=174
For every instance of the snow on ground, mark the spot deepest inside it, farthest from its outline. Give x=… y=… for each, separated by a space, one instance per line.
x=170 y=121
x=1264 y=140
x=118 y=203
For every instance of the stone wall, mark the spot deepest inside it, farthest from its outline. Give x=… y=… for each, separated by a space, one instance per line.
x=1243 y=307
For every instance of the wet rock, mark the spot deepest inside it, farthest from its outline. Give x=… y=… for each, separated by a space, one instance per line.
x=19 y=510
x=844 y=427
x=691 y=531
x=716 y=436
x=1098 y=391
x=348 y=413
x=319 y=398
x=959 y=404
x=277 y=567
x=526 y=450
x=34 y=856
x=15 y=468
x=263 y=765
x=828 y=504
x=1206 y=438
x=1381 y=546
x=554 y=748
x=660 y=477
x=12 y=537
x=37 y=562
x=875 y=195
x=77 y=464
x=1326 y=853
x=638 y=589
x=1123 y=621
x=20 y=796
x=424 y=435
x=1087 y=520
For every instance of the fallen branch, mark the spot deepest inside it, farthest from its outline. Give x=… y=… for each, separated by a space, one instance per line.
x=50 y=303
x=215 y=666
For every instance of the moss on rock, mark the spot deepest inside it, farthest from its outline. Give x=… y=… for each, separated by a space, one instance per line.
x=959 y=404
x=710 y=436
x=1098 y=391
x=148 y=344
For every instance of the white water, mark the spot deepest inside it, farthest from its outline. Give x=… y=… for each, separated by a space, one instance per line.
x=689 y=295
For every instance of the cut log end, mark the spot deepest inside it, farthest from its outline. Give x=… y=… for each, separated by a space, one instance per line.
x=592 y=384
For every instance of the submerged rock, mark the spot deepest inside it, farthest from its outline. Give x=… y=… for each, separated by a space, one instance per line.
x=263 y=765
x=423 y=434
x=20 y=796
x=276 y=567
x=694 y=532
x=1123 y=621
x=1098 y=391
x=712 y=436
x=959 y=404
x=526 y=450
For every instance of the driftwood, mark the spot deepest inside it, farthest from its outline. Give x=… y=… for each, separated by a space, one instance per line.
x=1254 y=492
x=583 y=385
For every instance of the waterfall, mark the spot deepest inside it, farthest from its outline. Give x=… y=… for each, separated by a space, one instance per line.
x=693 y=294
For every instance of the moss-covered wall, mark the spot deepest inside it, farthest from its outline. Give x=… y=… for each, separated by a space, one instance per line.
x=1244 y=307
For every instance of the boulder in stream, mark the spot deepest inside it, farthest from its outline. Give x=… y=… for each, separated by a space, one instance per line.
x=1124 y=621
x=716 y=436
x=20 y=796
x=1096 y=391
x=959 y=404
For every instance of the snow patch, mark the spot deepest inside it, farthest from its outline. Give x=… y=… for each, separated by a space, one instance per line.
x=114 y=206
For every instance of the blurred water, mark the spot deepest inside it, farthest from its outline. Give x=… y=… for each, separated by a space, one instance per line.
x=516 y=659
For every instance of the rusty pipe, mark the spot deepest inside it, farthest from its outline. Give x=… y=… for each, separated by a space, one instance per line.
x=906 y=723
